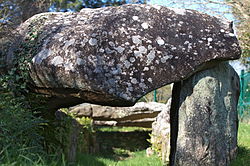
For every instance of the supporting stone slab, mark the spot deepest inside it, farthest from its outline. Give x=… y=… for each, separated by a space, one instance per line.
x=208 y=124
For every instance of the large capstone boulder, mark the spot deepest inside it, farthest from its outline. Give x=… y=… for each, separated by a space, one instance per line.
x=208 y=118
x=115 y=55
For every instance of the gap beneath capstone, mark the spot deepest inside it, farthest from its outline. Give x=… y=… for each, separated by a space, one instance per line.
x=142 y=116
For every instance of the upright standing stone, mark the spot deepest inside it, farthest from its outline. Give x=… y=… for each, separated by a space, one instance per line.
x=208 y=118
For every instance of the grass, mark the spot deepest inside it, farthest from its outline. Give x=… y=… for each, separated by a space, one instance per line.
x=243 y=157
x=121 y=157
x=137 y=158
x=126 y=158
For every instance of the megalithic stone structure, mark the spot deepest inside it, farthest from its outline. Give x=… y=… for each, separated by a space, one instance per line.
x=115 y=55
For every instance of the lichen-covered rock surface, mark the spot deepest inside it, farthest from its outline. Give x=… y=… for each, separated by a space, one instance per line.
x=208 y=121
x=160 y=137
x=115 y=55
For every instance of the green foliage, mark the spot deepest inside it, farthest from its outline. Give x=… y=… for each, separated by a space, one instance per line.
x=20 y=135
x=20 y=126
x=161 y=146
x=85 y=122
x=156 y=145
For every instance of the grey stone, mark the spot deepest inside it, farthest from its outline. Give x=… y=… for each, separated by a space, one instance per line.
x=141 y=114
x=208 y=121
x=160 y=138
x=115 y=55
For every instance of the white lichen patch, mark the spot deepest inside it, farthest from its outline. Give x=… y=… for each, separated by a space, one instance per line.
x=145 y=25
x=84 y=41
x=142 y=50
x=160 y=41
x=80 y=61
x=122 y=30
x=179 y=11
x=138 y=8
x=146 y=69
x=137 y=54
x=109 y=51
x=110 y=33
x=69 y=43
x=134 y=81
x=142 y=85
x=150 y=56
x=136 y=39
x=150 y=80
x=93 y=34
x=173 y=48
x=93 y=41
x=165 y=58
x=57 y=61
x=45 y=53
x=135 y=18
x=127 y=64
x=231 y=34
x=209 y=39
x=112 y=44
x=132 y=59
x=115 y=71
x=119 y=49
x=158 y=7
x=69 y=67
x=101 y=50
x=222 y=30
x=235 y=45
x=125 y=96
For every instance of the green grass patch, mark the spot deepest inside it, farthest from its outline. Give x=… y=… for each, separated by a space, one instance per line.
x=122 y=157
x=122 y=129
x=243 y=157
x=137 y=158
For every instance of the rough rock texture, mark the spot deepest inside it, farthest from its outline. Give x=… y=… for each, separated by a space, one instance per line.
x=160 y=138
x=141 y=114
x=208 y=121
x=146 y=123
x=115 y=55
